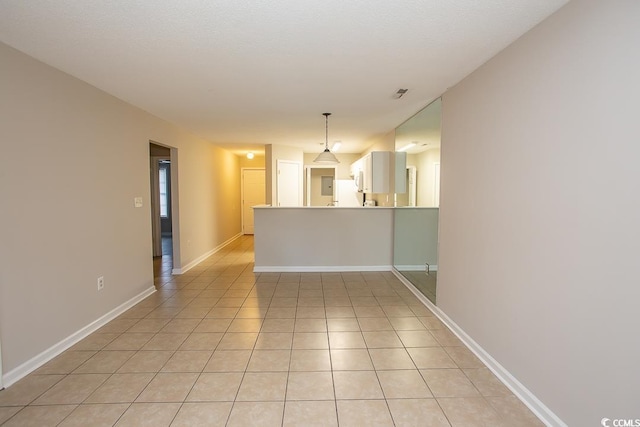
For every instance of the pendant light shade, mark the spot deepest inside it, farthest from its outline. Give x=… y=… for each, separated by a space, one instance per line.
x=326 y=156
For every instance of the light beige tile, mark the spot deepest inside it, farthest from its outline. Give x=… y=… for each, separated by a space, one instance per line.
x=357 y=385
x=310 y=312
x=343 y=325
x=245 y=325
x=263 y=386
x=203 y=414
x=358 y=413
x=406 y=324
x=403 y=384
x=431 y=357
x=514 y=412
x=310 y=414
x=252 y=312
x=228 y=361
x=193 y=313
x=238 y=341
x=418 y=339
x=221 y=386
x=120 y=388
x=310 y=340
x=117 y=326
x=177 y=326
x=310 y=360
x=420 y=310
x=213 y=325
x=310 y=325
x=351 y=360
x=269 y=361
x=101 y=415
x=168 y=387
x=229 y=302
x=7 y=412
x=391 y=358
x=338 y=299
x=94 y=341
x=469 y=412
x=310 y=302
x=40 y=416
x=27 y=389
x=164 y=341
x=65 y=363
x=399 y=310
x=486 y=383
x=73 y=389
x=202 y=341
x=149 y=325
x=283 y=302
x=417 y=412
x=146 y=361
x=383 y=339
x=449 y=383
x=278 y=325
x=149 y=414
x=281 y=313
x=105 y=362
x=364 y=301
x=250 y=414
x=367 y=311
x=374 y=324
x=187 y=361
x=274 y=341
x=339 y=340
x=463 y=357
x=223 y=312
x=129 y=341
x=310 y=386
x=446 y=338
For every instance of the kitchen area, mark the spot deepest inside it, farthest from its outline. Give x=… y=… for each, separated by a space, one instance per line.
x=373 y=211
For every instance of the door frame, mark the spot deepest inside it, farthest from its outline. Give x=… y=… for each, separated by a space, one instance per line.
x=307 y=184
x=175 y=203
x=156 y=232
x=242 y=192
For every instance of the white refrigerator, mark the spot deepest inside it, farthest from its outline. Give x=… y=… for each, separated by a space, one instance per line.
x=346 y=193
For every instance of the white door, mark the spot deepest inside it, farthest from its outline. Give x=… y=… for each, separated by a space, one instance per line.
x=253 y=194
x=288 y=185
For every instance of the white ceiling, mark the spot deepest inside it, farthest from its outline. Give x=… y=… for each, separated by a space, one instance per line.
x=244 y=73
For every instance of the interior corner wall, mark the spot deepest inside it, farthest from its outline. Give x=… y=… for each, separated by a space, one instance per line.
x=539 y=235
x=74 y=159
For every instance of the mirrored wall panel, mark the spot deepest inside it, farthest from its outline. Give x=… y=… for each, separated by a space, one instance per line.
x=416 y=219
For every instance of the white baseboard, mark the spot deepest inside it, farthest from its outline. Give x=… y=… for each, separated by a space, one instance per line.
x=201 y=258
x=419 y=267
x=517 y=388
x=34 y=363
x=320 y=268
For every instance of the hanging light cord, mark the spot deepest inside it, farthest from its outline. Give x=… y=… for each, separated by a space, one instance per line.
x=326 y=138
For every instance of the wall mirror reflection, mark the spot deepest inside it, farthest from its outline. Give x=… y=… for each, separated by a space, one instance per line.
x=416 y=220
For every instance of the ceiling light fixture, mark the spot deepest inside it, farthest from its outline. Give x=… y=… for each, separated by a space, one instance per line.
x=326 y=156
x=250 y=155
x=406 y=147
x=336 y=146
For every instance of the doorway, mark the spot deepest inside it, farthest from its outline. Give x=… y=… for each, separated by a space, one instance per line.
x=253 y=194
x=319 y=185
x=163 y=198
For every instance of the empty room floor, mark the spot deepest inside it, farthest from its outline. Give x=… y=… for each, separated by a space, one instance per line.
x=223 y=346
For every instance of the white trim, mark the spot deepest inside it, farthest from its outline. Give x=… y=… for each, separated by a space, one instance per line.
x=416 y=267
x=42 y=358
x=320 y=268
x=538 y=408
x=204 y=256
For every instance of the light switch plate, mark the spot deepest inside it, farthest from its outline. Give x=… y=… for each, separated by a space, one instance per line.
x=137 y=202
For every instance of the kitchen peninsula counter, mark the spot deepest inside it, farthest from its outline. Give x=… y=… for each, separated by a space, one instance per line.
x=323 y=238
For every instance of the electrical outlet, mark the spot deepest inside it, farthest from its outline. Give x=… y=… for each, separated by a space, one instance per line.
x=100 y=283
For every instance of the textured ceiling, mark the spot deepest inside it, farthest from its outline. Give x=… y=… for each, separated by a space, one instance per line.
x=260 y=72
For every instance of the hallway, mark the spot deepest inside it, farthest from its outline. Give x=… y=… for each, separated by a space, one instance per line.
x=221 y=345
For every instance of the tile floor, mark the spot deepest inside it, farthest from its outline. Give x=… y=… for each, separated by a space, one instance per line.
x=222 y=346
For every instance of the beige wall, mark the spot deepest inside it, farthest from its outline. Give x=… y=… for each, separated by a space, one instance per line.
x=425 y=166
x=539 y=235
x=74 y=159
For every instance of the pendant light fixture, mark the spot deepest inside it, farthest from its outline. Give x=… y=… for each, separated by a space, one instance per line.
x=326 y=156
